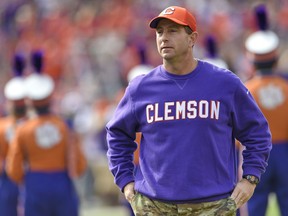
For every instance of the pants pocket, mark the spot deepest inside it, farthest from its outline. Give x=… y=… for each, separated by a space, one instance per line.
x=133 y=201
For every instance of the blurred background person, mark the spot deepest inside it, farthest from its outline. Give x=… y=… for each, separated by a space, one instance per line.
x=271 y=93
x=72 y=106
x=15 y=95
x=138 y=70
x=89 y=50
x=45 y=153
x=212 y=53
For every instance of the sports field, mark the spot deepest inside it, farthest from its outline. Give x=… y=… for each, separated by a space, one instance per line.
x=121 y=211
x=273 y=207
x=103 y=211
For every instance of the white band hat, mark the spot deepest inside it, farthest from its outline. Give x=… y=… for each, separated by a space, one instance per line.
x=39 y=85
x=212 y=55
x=15 y=87
x=264 y=40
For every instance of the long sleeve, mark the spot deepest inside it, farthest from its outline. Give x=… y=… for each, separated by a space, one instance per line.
x=252 y=130
x=120 y=139
x=3 y=145
x=15 y=160
x=77 y=163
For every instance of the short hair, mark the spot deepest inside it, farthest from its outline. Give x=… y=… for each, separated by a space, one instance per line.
x=188 y=30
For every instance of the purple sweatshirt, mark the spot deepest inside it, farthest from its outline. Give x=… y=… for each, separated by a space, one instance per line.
x=189 y=124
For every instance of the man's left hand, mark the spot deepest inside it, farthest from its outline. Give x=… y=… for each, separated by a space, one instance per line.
x=242 y=192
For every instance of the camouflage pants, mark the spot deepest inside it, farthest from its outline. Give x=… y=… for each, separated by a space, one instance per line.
x=144 y=206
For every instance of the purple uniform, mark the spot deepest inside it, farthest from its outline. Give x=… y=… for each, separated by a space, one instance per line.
x=189 y=124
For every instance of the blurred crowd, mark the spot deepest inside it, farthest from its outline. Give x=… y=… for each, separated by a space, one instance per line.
x=91 y=45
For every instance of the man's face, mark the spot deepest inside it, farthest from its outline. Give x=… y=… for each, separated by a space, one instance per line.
x=173 y=42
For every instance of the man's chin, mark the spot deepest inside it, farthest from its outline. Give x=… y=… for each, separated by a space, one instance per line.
x=167 y=56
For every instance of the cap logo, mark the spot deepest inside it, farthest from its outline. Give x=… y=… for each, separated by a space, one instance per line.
x=168 y=11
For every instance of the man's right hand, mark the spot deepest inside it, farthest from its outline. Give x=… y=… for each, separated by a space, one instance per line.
x=129 y=191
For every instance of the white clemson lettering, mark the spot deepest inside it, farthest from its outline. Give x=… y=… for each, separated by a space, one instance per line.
x=182 y=110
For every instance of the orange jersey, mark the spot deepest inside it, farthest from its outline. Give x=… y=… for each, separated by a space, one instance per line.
x=3 y=144
x=271 y=94
x=136 y=153
x=43 y=144
x=7 y=128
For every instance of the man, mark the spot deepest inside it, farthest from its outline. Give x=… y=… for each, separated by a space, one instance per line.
x=189 y=113
x=14 y=92
x=270 y=91
x=44 y=154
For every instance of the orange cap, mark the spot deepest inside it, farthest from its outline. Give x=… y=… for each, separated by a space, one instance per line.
x=176 y=14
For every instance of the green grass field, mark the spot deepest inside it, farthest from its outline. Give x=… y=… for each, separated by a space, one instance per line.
x=273 y=209
x=121 y=211
x=103 y=211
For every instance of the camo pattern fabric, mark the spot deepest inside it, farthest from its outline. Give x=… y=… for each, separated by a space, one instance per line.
x=144 y=206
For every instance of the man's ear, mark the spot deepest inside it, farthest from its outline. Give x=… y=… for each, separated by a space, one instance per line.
x=194 y=37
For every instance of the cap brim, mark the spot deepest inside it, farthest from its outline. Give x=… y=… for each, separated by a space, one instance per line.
x=154 y=22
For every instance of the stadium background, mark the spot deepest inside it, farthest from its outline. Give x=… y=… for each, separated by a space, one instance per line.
x=90 y=46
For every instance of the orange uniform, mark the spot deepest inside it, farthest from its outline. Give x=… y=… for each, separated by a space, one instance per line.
x=3 y=144
x=43 y=144
x=8 y=189
x=136 y=153
x=271 y=94
x=7 y=129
